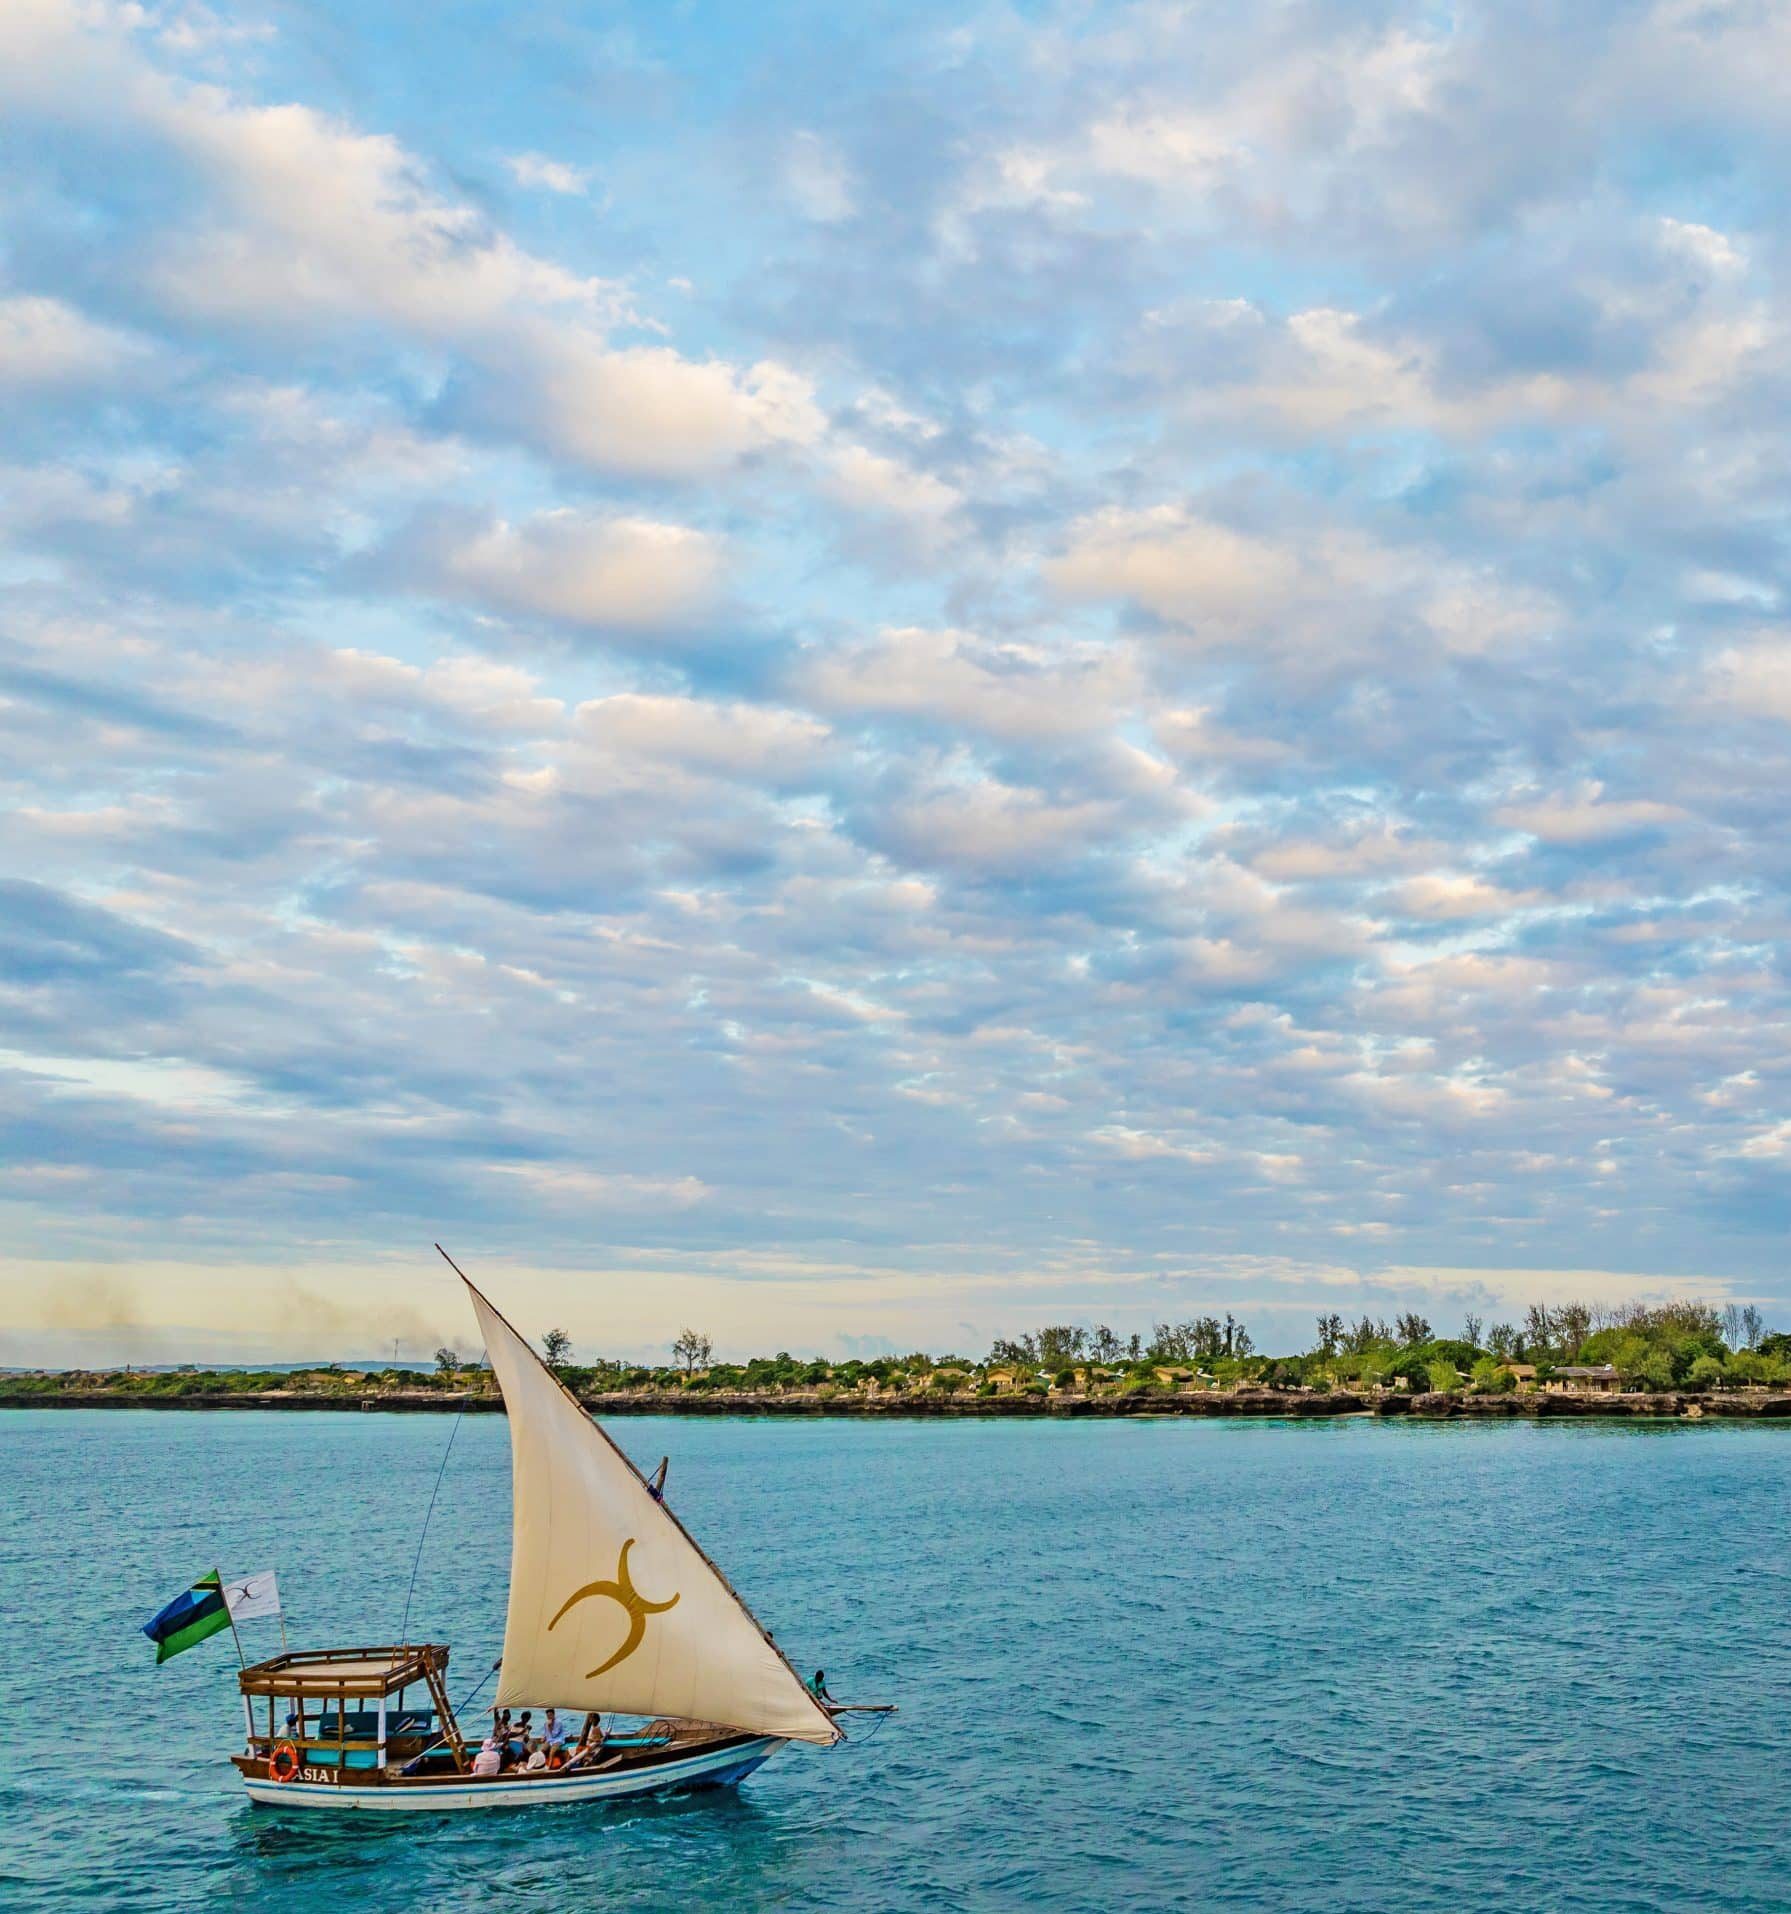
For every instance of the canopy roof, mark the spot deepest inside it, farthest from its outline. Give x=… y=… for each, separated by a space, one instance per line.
x=343 y=1671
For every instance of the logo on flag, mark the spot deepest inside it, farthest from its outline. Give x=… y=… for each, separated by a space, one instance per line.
x=250 y=1597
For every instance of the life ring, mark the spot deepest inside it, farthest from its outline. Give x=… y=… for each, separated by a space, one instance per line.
x=283 y=1763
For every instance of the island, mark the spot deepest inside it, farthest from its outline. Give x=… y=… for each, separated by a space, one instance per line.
x=1681 y=1360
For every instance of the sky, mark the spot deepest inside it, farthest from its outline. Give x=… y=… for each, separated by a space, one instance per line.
x=865 y=676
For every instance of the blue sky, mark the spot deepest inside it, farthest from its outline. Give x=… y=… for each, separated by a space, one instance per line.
x=868 y=675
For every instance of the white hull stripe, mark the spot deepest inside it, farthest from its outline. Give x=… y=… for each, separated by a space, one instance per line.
x=455 y=1795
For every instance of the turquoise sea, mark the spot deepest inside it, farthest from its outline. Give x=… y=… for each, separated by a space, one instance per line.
x=1156 y=1664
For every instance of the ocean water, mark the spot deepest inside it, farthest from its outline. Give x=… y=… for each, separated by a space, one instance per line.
x=1157 y=1664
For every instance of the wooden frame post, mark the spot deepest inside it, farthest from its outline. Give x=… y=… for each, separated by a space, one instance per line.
x=438 y=1693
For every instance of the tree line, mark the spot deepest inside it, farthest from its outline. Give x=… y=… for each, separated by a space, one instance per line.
x=1663 y=1346
x=1679 y=1345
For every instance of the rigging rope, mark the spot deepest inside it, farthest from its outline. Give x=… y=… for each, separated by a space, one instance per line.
x=417 y=1561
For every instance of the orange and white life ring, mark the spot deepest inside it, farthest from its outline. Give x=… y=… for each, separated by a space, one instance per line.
x=283 y=1764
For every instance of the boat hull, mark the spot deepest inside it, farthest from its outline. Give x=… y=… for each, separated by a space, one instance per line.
x=702 y=1768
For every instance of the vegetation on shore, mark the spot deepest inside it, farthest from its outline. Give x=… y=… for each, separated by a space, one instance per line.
x=1688 y=1347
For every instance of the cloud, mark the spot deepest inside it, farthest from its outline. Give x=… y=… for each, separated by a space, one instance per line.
x=586 y=571
x=1753 y=679
x=44 y=342
x=550 y=175
x=313 y=221
x=871 y=482
x=960 y=681
x=1446 y=896
x=752 y=742
x=302 y=221
x=1324 y=594
x=568 y=1187
x=986 y=826
x=817 y=180
x=48 y=937
x=1586 y=816
x=1126 y=601
x=640 y=409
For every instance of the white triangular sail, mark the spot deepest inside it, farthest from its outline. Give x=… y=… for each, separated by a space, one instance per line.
x=612 y=1605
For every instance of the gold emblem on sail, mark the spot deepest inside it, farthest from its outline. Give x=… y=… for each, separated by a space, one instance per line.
x=624 y=1594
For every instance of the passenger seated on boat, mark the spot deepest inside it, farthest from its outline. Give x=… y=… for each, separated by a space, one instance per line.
x=488 y=1761
x=537 y=1762
x=590 y=1741
x=554 y=1734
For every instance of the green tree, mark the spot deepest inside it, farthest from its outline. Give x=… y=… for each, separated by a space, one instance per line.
x=1659 y=1371
x=1444 y=1377
x=1707 y=1372
x=1748 y=1367
x=1444 y=1349
x=1490 y=1377
x=556 y=1346
x=692 y=1349
x=1060 y=1343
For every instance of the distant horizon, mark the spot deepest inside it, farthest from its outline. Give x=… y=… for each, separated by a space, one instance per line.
x=1475 y=1329
x=861 y=674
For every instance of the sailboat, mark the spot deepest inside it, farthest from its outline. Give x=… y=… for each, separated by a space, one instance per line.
x=613 y=1610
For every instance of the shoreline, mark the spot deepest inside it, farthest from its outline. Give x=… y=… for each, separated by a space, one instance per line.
x=1539 y=1406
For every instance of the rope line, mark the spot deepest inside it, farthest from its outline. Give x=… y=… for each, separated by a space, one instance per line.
x=417 y=1560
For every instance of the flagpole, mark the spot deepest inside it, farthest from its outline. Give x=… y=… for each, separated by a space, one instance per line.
x=242 y=1659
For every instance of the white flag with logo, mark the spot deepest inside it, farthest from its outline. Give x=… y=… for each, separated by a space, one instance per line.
x=249 y=1597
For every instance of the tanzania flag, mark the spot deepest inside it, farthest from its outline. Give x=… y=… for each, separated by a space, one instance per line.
x=189 y=1618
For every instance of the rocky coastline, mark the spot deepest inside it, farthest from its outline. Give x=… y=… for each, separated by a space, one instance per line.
x=1542 y=1405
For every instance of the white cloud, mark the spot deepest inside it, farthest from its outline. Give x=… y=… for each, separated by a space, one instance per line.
x=871 y=482
x=305 y=221
x=1181 y=568
x=1381 y=848
x=550 y=175
x=1753 y=678
x=588 y=569
x=1585 y=816
x=1446 y=896
x=1322 y=592
x=817 y=181
x=984 y=825
x=565 y=1186
x=315 y=221
x=1004 y=690
x=44 y=342
x=1141 y=1146
x=756 y=742
x=639 y=409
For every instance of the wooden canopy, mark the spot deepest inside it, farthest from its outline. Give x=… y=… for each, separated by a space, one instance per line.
x=359 y=1672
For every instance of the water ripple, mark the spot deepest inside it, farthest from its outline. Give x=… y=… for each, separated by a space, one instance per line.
x=1161 y=1665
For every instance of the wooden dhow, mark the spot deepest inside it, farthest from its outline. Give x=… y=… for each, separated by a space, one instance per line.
x=613 y=1610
